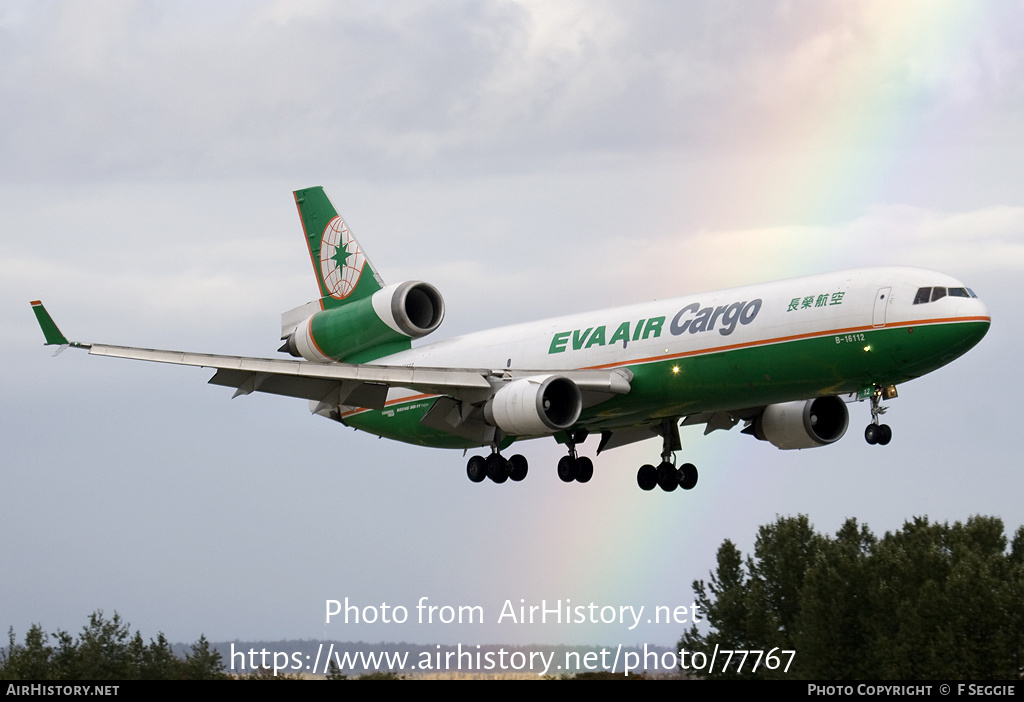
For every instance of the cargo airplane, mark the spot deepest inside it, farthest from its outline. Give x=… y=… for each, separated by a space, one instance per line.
x=783 y=358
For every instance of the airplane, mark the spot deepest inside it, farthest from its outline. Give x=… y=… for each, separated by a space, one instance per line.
x=784 y=358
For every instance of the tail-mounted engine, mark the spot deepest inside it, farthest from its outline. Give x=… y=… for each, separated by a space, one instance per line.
x=365 y=329
x=536 y=405
x=802 y=424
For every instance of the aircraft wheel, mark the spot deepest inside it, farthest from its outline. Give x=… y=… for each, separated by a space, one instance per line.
x=497 y=468
x=688 y=476
x=884 y=434
x=476 y=468
x=584 y=469
x=871 y=434
x=566 y=469
x=668 y=477
x=647 y=477
x=517 y=467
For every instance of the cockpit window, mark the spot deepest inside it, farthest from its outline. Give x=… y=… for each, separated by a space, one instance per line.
x=937 y=293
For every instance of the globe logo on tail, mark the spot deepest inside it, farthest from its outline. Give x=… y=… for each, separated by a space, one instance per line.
x=341 y=259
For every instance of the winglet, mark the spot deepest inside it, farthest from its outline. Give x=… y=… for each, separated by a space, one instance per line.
x=50 y=330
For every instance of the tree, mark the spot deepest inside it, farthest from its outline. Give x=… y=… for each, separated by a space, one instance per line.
x=946 y=598
x=104 y=650
x=833 y=609
x=724 y=602
x=929 y=601
x=156 y=661
x=30 y=661
x=204 y=663
x=783 y=553
x=100 y=653
x=334 y=672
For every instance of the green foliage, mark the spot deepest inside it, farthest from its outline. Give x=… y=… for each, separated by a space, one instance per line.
x=382 y=675
x=203 y=663
x=931 y=601
x=268 y=673
x=28 y=662
x=334 y=672
x=104 y=650
x=603 y=675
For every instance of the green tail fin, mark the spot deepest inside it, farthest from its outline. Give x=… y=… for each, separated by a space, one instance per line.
x=343 y=271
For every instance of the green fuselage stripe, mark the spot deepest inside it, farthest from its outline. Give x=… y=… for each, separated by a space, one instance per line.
x=735 y=377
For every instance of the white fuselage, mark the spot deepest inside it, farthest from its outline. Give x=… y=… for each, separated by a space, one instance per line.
x=850 y=305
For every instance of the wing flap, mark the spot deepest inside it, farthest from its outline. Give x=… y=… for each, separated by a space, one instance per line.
x=286 y=385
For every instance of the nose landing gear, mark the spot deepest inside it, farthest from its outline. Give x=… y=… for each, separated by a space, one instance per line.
x=876 y=432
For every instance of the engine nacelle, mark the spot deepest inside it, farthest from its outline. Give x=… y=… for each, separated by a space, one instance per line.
x=804 y=423
x=369 y=328
x=536 y=405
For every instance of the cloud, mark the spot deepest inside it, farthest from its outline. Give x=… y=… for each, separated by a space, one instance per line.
x=132 y=89
x=963 y=244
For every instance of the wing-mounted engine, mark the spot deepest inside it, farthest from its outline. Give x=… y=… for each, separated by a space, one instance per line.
x=802 y=424
x=535 y=405
x=365 y=329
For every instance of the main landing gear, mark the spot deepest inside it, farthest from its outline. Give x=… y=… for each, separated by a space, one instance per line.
x=877 y=433
x=574 y=467
x=666 y=475
x=497 y=468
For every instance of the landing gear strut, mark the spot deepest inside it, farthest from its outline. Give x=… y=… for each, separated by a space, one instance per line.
x=877 y=433
x=574 y=467
x=666 y=475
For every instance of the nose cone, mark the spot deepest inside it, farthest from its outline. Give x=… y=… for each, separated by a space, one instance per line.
x=982 y=309
x=975 y=321
x=974 y=308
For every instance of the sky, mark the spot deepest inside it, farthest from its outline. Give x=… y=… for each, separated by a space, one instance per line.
x=528 y=159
